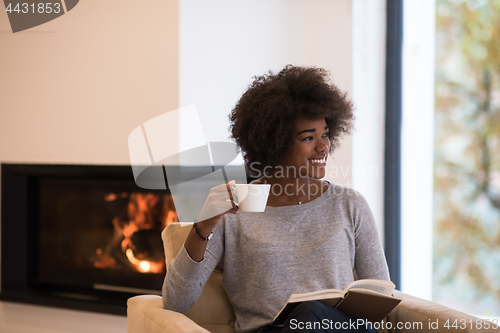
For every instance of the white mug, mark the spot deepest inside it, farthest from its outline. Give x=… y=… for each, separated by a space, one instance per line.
x=251 y=197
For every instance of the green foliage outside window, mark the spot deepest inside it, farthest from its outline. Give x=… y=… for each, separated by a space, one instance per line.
x=467 y=156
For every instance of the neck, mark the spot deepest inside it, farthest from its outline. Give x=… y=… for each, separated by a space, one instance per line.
x=290 y=190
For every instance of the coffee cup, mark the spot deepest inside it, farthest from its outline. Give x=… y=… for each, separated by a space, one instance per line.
x=251 y=197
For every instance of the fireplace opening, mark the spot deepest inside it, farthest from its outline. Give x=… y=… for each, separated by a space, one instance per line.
x=86 y=237
x=81 y=237
x=95 y=233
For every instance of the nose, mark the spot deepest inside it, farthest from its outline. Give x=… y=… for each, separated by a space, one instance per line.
x=323 y=146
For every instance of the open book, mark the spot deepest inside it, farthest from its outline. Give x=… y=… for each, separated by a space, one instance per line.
x=362 y=299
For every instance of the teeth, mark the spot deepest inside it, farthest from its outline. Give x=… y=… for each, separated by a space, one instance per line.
x=318 y=160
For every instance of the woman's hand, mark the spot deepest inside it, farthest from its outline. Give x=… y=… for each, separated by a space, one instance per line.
x=219 y=202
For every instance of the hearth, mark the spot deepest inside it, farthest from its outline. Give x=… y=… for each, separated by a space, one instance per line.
x=80 y=237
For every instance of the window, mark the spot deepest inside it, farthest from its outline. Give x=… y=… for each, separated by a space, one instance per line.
x=451 y=154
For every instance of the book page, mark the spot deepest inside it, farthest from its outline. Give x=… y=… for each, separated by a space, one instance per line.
x=316 y=295
x=380 y=286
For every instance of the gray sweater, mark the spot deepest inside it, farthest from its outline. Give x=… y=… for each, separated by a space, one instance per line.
x=291 y=249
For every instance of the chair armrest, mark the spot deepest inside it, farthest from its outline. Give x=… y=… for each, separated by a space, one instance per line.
x=432 y=317
x=145 y=314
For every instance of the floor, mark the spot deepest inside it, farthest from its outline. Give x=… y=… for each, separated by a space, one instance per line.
x=22 y=318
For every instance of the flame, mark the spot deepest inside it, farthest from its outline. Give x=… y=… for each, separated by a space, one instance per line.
x=143 y=265
x=171 y=218
x=110 y=197
x=144 y=211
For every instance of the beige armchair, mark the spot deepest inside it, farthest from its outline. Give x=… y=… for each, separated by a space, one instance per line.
x=213 y=312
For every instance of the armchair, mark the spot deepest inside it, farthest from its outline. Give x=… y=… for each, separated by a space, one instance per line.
x=213 y=312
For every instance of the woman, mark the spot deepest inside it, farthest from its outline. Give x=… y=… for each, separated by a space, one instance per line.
x=312 y=235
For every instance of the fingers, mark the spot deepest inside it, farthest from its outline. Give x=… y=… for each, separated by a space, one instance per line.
x=230 y=191
x=230 y=211
x=219 y=202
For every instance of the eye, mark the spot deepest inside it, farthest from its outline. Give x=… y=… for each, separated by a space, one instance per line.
x=309 y=138
x=326 y=134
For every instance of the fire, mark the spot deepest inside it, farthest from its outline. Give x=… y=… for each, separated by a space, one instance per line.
x=145 y=215
x=171 y=218
x=143 y=265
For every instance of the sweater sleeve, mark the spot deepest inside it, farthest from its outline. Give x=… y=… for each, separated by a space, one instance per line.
x=370 y=262
x=186 y=278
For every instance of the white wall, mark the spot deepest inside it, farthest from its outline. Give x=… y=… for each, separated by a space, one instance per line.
x=74 y=88
x=369 y=31
x=417 y=148
x=224 y=43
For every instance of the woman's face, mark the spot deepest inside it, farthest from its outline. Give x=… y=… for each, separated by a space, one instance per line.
x=310 y=149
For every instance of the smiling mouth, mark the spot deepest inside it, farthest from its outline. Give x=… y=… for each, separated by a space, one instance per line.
x=318 y=161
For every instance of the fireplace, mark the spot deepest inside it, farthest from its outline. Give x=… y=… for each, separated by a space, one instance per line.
x=80 y=237
x=86 y=237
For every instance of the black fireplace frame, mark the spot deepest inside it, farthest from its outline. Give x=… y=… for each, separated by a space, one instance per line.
x=17 y=216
